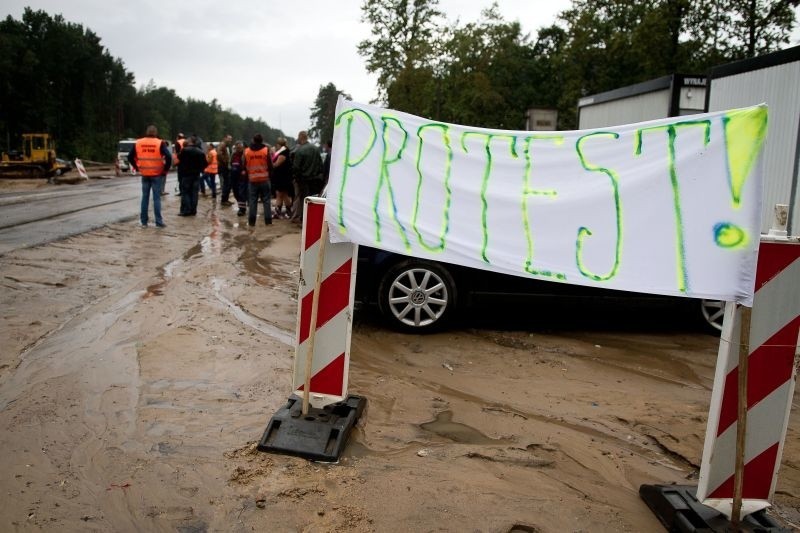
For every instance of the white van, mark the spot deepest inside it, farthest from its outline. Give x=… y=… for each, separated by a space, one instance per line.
x=123 y=149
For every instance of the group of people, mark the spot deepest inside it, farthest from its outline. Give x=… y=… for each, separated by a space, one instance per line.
x=253 y=174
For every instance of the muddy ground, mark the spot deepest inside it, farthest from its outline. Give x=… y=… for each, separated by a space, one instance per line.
x=139 y=367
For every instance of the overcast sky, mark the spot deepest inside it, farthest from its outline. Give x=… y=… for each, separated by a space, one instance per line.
x=260 y=58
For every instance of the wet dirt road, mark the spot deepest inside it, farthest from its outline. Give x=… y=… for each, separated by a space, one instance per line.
x=49 y=213
x=140 y=366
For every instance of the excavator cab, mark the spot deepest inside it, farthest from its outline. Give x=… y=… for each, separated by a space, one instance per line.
x=36 y=147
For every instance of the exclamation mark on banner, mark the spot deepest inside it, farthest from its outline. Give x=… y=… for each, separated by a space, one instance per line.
x=742 y=152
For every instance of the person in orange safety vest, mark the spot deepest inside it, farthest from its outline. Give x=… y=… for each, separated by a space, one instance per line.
x=151 y=158
x=177 y=147
x=258 y=164
x=210 y=172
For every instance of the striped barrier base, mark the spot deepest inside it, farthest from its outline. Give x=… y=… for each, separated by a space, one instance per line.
x=324 y=322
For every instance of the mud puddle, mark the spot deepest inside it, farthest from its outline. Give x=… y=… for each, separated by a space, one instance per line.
x=444 y=427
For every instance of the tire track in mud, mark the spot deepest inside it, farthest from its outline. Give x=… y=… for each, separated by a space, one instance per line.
x=437 y=388
x=251 y=321
x=693 y=379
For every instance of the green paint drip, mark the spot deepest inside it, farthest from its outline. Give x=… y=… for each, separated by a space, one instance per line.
x=383 y=180
x=487 y=171
x=745 y=132
x=584 y=232
x=347 y=163
x=527 y=190
x=445 y=226
x=680 y=239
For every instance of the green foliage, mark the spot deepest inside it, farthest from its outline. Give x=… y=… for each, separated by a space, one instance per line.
x=613 y=43
x=488 y=73
x=403 y=37
x=323 y=114
x=755 y=27
x=58 y=78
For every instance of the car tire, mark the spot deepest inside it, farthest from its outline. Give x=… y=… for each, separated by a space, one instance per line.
x=417 y=296
x=713 y=313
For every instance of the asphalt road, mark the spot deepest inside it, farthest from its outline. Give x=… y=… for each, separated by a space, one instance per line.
x=46 y=215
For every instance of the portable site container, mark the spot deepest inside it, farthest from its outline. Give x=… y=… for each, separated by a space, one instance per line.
x=775 y=79
x=667 y=96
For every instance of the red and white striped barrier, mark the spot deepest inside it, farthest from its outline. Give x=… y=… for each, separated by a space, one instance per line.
x=331 y=357
x=81 y=169
x=771 y=367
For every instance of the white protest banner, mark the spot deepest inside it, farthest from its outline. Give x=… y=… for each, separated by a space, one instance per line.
x=670 y=206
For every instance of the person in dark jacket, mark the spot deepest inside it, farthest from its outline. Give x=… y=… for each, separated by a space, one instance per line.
x=326 y=165
x=191 y=162
x=224 y=168
x=281 y=178
x=238 y=178
x=307 y=173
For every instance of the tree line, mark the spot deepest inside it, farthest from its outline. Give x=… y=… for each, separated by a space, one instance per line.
x=489 y=72
x=58 y=78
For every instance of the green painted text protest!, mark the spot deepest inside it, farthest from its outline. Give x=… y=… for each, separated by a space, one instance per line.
x=576 y=207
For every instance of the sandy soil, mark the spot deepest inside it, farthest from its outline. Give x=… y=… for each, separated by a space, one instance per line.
x=139 y=367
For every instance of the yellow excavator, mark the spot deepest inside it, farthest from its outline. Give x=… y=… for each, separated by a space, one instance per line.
x=36 y=160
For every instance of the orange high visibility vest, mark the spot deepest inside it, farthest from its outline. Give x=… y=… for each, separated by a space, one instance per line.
x=212 y=165
x=175 y=158
x=148 y=157
x=255 y=161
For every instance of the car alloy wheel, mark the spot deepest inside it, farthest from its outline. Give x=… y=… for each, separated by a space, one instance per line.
x=417 y=296
x=713 y=312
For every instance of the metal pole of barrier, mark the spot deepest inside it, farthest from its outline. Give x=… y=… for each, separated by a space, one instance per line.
x=312 y=334
x=741 y=416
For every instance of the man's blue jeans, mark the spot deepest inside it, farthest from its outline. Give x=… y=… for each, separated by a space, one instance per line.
x=151 y=186
x=210 y=180
x=260 y=190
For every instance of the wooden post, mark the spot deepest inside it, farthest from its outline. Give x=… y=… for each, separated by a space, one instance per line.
x=741 y=416
x=323 y=240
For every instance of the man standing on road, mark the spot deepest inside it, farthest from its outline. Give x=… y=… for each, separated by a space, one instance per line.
x=152 y=160
x=258 y=163
x=224 y=169
x=165 y=144
x=176 y=150
x=307 y=172
x=326 y=165
x=190 y=165
x=210 y=172
x=239 y=178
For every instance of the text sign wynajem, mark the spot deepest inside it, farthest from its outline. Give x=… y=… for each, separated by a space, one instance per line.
x=667 y=207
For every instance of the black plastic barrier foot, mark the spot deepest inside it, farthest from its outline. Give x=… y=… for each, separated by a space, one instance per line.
x=321 y=435
x=680 y=512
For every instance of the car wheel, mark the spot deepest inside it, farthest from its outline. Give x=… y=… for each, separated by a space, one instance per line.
x=713 y=312
x=417 y=296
